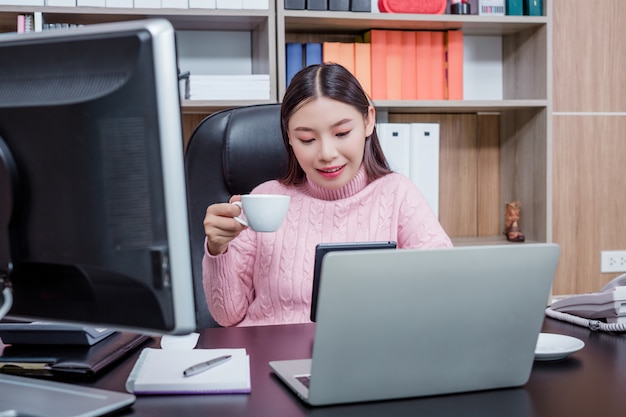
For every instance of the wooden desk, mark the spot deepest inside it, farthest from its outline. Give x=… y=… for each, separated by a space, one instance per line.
x=591 y=382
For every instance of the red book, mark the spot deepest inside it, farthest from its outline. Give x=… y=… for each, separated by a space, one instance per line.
x=378 y=43
x=395 y=80
x=438 y=65
x=346 y=56
x=409 y=66
x=422 y=65
x=363 y=66
x=455 y=65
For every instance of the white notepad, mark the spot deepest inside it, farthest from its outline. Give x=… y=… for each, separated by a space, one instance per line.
x=160 y=371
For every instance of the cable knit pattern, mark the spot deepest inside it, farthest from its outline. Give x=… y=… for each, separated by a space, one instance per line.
x=266 y=278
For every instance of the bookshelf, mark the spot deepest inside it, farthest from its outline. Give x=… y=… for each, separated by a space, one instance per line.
x=258 y=24
x=493 y=151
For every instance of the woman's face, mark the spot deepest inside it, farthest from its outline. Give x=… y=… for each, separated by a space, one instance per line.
x=328 y=140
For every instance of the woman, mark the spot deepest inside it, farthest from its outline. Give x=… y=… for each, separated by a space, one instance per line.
x=341 y=190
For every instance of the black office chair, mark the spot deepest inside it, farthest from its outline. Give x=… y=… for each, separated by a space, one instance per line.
x=230 y=152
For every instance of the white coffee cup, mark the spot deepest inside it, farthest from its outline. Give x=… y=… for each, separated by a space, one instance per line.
x=263 y=212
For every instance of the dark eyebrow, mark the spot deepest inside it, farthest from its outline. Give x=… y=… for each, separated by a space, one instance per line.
x=307 y=129
x=340 y=122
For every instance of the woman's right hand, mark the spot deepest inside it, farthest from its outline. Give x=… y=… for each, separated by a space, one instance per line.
x=220 y=227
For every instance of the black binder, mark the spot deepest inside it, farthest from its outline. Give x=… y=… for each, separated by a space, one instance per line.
x=55 y=361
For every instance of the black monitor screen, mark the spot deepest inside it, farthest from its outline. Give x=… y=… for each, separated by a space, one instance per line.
x=93 y=215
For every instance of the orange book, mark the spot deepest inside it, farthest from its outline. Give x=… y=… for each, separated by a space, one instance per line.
x=378 y=44
x=346 y=56
x=409 y=66
x=438 y=65
x=455 y=65
x=330 y=52
x=363 y=66
x=394 y=65
x=422 y=65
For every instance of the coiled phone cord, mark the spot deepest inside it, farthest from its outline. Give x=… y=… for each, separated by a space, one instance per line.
x=594 y=325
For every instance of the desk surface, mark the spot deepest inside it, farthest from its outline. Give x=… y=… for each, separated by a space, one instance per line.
x=591 y=382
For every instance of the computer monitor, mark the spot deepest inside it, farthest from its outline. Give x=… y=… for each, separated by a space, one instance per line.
x=93 y=213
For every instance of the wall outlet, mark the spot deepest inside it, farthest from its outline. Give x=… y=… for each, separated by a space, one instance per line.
x=613 y=261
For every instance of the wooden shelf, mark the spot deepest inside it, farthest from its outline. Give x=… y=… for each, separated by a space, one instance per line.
x=352 y=22
x=481 y=167
x=457 y=106
x=182 y=19
x=211 y=106
x=517 y=164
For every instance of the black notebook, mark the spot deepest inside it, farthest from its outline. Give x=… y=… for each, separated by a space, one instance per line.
x=68 y=361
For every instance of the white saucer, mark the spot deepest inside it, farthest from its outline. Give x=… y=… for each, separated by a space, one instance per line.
x=556 y=346
x=184 y=342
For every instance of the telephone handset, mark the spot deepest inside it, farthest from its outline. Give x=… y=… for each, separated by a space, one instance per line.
x=616 y=282
x=608 y=305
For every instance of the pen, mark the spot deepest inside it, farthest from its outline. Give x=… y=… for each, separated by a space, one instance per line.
x=203 y=366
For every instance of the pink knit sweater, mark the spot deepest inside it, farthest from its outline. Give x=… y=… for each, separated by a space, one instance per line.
x=266 y=278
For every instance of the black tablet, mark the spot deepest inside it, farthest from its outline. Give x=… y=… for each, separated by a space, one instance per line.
x=323 y=248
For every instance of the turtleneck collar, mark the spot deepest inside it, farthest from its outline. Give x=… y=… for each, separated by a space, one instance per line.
x=353 y=187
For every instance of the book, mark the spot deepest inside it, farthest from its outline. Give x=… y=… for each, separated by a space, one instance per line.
x=377 y=39
x=363 y=66
x=424 y=165
x=154 y=4
x=293 y=60
x=119 y=3
x=394 y=65
x=339 y=5
x=346 y=56
x=256 y=4
x=69 y=361
x=92 y=3
x=395 y=142
x=330 y=52
x=409 y=66
x=312 y=53
x=38 y=21
x=341 y=53
x=438 y=65
x=229 y=87
x=22 y=2
x=21 y=23
x=514 y=7
x=229 y=4
x=197 y=4
x=360 y=5
x=317 y=4
x=160 y=371
x=491 y=7
x=44 y=333
x=422 y=65
x=295 y=4
x=61 y=3
x=454 y=65
x=173 y=4
x=533 y=7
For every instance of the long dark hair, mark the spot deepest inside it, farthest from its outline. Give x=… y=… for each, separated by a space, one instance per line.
x=337 y=83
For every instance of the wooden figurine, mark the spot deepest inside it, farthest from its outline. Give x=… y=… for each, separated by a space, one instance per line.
x=512 y=230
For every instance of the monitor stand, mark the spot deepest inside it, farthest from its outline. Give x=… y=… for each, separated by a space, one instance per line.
x=22 y=396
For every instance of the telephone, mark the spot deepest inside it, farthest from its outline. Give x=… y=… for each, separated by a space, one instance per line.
x=603 y=310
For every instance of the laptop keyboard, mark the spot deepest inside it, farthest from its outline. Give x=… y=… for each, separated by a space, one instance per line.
x=304 y=380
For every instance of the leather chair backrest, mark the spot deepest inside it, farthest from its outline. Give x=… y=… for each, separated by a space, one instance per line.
x=230 y=152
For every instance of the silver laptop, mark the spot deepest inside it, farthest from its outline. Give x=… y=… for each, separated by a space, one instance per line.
x=410 y=323
x=22 y=396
